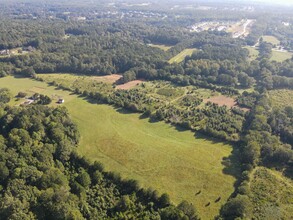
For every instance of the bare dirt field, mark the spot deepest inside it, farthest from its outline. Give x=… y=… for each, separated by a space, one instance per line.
x=129 y=85
x=224 y=100
x=108 y=79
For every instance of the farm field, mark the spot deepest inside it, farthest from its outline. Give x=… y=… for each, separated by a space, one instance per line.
x=271 y=39
x=160 y=46
x=181 y=56
x=156 y=154
x=281 y=56
x=281 y=98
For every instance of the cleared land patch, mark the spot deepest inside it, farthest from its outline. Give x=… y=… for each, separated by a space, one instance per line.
x=181 y=56
x=108 y=79
x=222 y=100
x=160 y=46
x=156 y=154
x=129 y=85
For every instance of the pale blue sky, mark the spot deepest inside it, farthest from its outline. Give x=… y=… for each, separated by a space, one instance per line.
x=285 y=2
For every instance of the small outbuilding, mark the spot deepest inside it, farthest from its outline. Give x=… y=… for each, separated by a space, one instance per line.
x=60 y=101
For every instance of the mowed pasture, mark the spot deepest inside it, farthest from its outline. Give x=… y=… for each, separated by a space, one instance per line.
x=158 y=155
x=181 y=56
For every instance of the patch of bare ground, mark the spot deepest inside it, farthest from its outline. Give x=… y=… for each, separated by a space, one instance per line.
x=130 y=84
x=224 y=100
x=108 y=79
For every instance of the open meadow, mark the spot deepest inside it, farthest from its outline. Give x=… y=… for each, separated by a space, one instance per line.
x=181 y=56
x=281 y=98
x=271 y=39
x=281 y=56
x=186 y=166
x=272 y=194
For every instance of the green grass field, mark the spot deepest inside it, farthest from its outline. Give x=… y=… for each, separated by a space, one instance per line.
x=281 y=56
x=31 y=87
x=253 y=52
x=272 y=194
x=160 y=46
x=181 y=56
x=156 y=154
x=278 y=56
x=271 y=39
x=281 y=98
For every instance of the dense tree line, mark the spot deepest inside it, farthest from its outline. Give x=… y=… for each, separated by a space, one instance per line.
x=264 y=144
x=247 y=100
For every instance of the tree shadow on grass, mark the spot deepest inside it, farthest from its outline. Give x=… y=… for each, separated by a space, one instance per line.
x=154 y=120
x=144 y=116
x=123 y=110
x=289 y=172
x=19 y=76
x=199 y=135
x=89 y=100
x=232 y=167
x=179 y=128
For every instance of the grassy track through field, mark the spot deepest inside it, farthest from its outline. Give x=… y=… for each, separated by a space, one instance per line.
x=156 y=154
x=181 y=56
